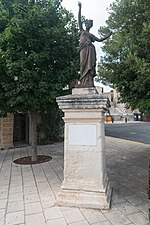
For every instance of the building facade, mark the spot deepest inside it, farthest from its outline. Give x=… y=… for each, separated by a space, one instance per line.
x=14 y=130
x=6 y=131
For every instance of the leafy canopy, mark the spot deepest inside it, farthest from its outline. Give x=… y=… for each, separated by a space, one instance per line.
x=38 y=55
x=126 y=63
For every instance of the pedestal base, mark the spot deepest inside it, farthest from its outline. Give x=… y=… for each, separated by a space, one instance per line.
x=85 y=179
x=85 y=199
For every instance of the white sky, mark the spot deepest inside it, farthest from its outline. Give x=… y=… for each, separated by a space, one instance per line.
x=91 y=9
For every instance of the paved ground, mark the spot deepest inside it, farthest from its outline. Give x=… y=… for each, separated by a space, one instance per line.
x=28 y=193
x=136 y=131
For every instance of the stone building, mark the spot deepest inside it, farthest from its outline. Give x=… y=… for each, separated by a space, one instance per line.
x=118 y=111
x=14 y=130
x=6 y=131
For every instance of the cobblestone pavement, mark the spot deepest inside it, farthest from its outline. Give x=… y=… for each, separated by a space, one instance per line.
x=28 y=193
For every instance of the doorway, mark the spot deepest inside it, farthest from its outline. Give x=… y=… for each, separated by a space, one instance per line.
x=21 y=129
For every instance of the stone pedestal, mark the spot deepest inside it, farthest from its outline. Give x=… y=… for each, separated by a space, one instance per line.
x=85 y=181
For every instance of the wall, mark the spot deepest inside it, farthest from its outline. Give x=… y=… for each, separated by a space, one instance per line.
x=6 y=131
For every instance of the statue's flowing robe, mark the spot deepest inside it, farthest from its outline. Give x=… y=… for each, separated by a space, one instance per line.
x=87 y=57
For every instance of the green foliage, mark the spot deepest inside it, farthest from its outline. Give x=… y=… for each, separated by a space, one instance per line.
x=51 y=127
x=38 y=55
x=126 y=63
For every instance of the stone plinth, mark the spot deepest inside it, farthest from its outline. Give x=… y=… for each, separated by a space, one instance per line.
x=6 y=131
x=85 y=181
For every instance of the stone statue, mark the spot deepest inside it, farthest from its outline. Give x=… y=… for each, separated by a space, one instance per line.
x=87 y=52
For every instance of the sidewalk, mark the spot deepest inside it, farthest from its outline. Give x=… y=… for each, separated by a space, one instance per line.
x=28 y=193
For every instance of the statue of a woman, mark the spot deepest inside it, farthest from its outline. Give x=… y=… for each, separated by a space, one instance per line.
x=87 y=52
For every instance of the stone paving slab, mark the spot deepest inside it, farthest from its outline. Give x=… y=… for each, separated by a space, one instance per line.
x=28 y=193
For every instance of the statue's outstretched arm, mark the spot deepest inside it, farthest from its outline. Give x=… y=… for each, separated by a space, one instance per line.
x=79 y=16
x=104 y=38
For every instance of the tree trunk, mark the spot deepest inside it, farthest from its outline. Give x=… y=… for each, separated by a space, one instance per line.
x=34 y=156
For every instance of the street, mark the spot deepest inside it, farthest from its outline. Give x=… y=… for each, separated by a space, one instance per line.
x=139 y=132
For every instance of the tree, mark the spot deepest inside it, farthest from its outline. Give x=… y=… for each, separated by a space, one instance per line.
x=126 y=63
x=38 y=56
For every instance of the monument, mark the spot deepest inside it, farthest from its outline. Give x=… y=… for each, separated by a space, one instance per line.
x=87 y=52
x=85 y=180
